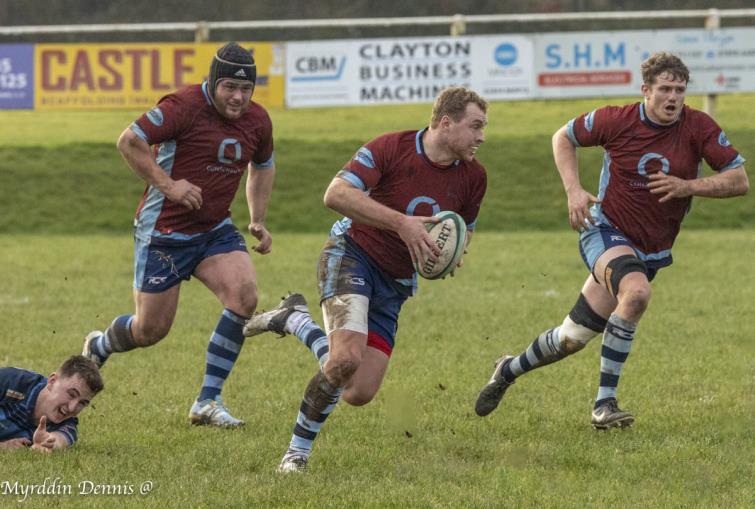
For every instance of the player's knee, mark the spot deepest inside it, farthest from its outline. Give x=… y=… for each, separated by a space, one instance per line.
x=619 y=268
x=246 y=299
x=579 y=327
x=147 y=334
x=340 y=368
x=358 y=396
x=635 y=297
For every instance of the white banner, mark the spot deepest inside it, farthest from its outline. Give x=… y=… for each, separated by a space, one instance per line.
x=501 y=67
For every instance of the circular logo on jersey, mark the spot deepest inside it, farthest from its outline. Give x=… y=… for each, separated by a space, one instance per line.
x=723 y=140
x=155 y=116
x=505 y=54
x=644 y=160
x=422 y=200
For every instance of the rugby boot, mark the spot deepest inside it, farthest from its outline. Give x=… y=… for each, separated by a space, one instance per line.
x=491 y=394
x=609 y=415
x=275 y=319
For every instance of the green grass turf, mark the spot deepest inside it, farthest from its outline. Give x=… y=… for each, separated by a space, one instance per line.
x=60 y=171
x=689 y=381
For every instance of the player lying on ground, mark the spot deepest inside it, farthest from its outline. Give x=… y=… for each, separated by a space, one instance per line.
x=42 y=412
x=653 y=156
x=387 y=193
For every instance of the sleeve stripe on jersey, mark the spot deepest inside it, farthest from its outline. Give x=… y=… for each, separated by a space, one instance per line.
x=570 y=133
x=471 y=226
x=353 y=179
x=138 y=131
x=364 y=157
x=737 y=162
x=267 y=164
x=589 y=119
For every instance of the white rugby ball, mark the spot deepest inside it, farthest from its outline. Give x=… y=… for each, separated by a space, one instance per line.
x=450 y=235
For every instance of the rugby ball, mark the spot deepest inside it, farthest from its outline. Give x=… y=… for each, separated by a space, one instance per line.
x=450 y=235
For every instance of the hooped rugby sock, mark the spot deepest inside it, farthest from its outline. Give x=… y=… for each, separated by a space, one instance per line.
x=544 y=350
x=313 y=337
x=617 y=342
x=116 y=338
x=222 y=351
x=320 y=399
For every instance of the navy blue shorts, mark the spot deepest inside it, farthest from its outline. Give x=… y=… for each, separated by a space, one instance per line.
x=162 y=264
x=601 y=237
x=344 y=268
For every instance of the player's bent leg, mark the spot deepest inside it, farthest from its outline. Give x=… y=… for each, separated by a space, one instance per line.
x=365 y=383
x=154 y=316
x=231 y=277
x=578 y=328
x=346 y=321
x=624 y=275
x=152 y=322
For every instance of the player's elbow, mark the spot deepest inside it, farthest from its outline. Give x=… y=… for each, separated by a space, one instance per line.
x=333 y=195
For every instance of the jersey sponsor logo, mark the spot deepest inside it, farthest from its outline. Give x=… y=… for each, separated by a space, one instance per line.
x=10 y=393
x=156 y=116
x=229 y=151
x=364 y=157
x=419 y=200
x=228 y=170
x=652 y=156
x=723 y=140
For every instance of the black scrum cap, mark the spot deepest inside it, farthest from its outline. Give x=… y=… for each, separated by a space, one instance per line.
x=231 y=62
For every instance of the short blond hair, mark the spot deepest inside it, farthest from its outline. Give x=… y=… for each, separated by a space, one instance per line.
x=452 y=102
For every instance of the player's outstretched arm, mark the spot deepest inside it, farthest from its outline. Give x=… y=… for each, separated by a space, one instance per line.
x=726 y=184
x=15 y=443
x=578 y=200
x=259 y=186
x=137 y=154
x=346 y=199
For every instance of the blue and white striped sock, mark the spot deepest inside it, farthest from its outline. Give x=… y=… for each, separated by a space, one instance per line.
x=617 y=342
x=222 y=351
x=307 y=428
x=544 y=350
x=313 y=337
x=116 y=338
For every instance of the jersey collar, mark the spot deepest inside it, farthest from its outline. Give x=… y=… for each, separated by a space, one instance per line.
x=420 y=146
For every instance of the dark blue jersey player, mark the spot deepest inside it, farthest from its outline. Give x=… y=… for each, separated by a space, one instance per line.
x=42 y=412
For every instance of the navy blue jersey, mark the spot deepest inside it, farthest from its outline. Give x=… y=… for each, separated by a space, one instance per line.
x=19 y=390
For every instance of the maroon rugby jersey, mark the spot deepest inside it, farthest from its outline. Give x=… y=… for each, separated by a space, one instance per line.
x=194 y=142
x=398 y=174
x=635 y=147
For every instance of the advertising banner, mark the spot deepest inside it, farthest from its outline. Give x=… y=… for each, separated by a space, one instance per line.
x=16 y=76
x=135 y=76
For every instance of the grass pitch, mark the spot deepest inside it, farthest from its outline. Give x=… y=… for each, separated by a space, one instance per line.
x=689 y=381
x=66 y=203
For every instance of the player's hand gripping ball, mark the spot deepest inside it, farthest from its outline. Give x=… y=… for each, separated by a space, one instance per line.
x=450 y=235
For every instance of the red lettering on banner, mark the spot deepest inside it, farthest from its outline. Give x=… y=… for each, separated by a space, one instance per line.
x=584 y=79
x=179 y=68
x=156 y=72
x=47 y=58
x=136 y=66
x=117 y=80
x=82 y=72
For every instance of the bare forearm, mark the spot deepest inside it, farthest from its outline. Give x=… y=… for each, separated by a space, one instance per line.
x=137 y=154
x=259 y=186
x=722 y=185
x=355 y=204
x=565 y=157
